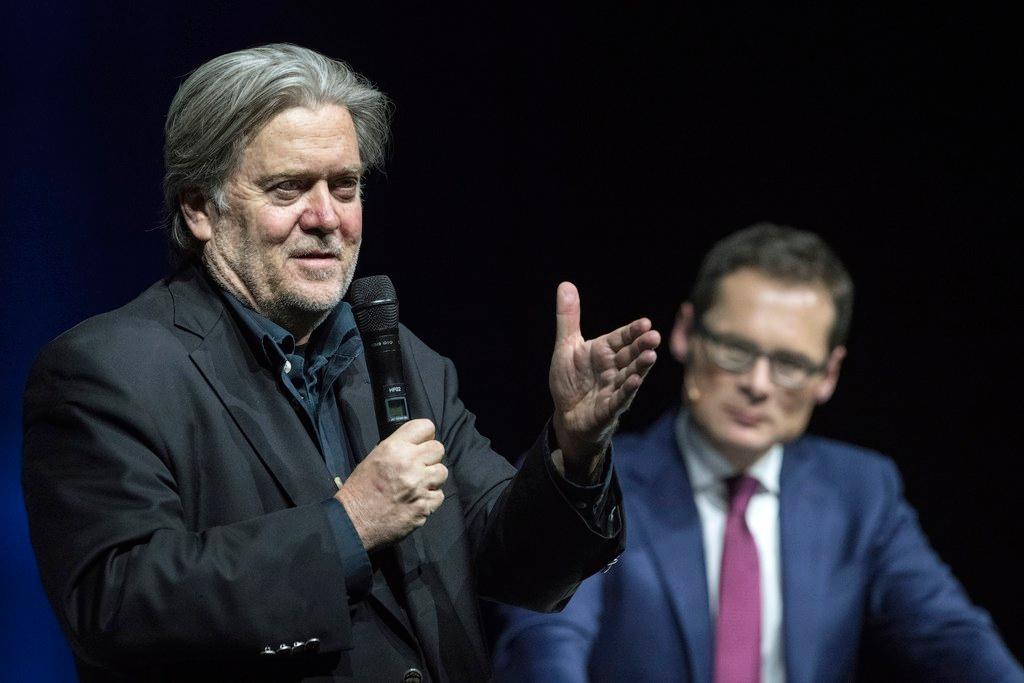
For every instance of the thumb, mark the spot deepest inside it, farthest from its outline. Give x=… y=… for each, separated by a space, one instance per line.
x=567 y=311
x=414 y=431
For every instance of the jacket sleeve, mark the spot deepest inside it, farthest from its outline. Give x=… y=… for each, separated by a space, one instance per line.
x=126 y=576
x=919 y=613
x=530 y=545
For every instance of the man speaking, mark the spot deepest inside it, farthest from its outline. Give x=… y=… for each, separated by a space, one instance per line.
x=208 y=493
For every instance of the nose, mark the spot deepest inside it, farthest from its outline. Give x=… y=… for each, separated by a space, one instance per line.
x=757 y=381
x=320 y=212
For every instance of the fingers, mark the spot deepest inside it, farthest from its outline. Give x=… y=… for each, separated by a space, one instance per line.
x=627 y=334
x=639 y=366
x=647 y=341
x=624 y=395
x=427 y=504
x=629 y=379
x=435 y=476
x=429 y=453
x=567 y=311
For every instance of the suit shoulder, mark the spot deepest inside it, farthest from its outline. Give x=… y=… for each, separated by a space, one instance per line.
x=845 y=463
x=132 y=336
x=640 y=453
x=424 y=355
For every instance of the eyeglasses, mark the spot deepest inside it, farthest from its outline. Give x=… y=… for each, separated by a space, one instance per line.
x=789 y=370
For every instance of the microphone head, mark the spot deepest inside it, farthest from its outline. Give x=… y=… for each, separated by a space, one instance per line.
x=374 y=303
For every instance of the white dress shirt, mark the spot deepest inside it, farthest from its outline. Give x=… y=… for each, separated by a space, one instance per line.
x=708 y=471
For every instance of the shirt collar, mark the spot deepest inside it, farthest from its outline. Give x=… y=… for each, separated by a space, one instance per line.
x=272 y=343
x=708 y=469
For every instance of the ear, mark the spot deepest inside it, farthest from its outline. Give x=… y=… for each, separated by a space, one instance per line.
x=199 y=214
x=679 y=340
x=824 y=391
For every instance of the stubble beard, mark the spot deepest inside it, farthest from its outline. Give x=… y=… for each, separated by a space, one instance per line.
x=275 y=297
x=288 y=305
x=292 y=299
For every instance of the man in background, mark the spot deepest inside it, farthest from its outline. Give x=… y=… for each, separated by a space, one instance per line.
x=757 y=553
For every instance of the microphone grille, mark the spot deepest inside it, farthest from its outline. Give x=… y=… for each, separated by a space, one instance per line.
x=374 y=303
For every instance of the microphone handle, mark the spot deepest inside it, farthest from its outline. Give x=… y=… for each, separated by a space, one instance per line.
x=384 y=361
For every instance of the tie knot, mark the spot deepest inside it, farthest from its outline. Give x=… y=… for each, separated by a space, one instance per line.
x=741 y=488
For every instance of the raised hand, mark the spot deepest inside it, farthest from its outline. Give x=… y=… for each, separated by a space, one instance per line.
x=397 y=486
x=593 y=381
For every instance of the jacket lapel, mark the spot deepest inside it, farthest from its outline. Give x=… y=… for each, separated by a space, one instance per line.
x=804 y=515
x=356 y=400
x=355 y=396
x=249 y=393
x=673 y=530
x=431 y=617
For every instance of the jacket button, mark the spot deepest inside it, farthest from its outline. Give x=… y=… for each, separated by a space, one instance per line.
x=313 y=644
x=412 y=676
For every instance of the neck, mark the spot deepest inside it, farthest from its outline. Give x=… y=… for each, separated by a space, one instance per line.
x=299 y=323
x=741 y=461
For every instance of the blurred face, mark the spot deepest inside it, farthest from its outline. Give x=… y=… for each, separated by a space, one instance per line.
x=744 y=413
x=288 y=241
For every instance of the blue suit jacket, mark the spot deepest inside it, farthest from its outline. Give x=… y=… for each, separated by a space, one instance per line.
x=855 y=565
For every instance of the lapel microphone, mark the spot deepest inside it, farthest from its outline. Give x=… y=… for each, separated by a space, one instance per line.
x=375 y=306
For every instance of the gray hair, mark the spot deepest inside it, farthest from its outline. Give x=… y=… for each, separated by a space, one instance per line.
x=224 y=103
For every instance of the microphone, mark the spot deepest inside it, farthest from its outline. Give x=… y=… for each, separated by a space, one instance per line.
x=375 y=306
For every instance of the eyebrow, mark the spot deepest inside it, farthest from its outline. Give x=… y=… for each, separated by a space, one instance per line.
x=345 y=172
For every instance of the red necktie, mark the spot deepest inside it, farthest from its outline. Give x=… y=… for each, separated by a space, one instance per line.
x=738 y=632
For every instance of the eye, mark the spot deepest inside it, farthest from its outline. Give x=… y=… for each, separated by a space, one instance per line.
x=736 y=353
x=730 y=356
x=288 y=189
x=789 y=368
x=792 y=369
x=346 y=188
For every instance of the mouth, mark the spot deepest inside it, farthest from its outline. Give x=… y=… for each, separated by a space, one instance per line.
x=745 y=418
x=316 y=258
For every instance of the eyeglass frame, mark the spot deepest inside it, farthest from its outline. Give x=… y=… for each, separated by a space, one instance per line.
x=792 y=358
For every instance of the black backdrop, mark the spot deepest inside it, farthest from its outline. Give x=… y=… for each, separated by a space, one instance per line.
x=610 y=146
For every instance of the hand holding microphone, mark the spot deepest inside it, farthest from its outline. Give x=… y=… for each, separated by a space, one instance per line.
x=398 y=485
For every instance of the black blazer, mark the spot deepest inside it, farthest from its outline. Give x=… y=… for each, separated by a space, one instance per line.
x=178 y=510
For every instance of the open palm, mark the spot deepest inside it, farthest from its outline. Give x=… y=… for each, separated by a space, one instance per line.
x=593 y=381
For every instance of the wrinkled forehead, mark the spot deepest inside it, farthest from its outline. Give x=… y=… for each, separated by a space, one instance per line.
x=774 y=312
x=301 y=135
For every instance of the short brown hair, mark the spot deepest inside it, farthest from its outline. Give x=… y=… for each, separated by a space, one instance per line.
x=783 y=253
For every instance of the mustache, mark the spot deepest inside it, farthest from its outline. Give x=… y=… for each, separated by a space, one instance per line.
x=323 y=248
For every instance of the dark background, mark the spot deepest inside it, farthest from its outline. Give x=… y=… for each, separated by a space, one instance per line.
x=610 y=146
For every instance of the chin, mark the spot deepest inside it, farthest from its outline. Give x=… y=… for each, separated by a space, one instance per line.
x=318 y=297
x=747 y=440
